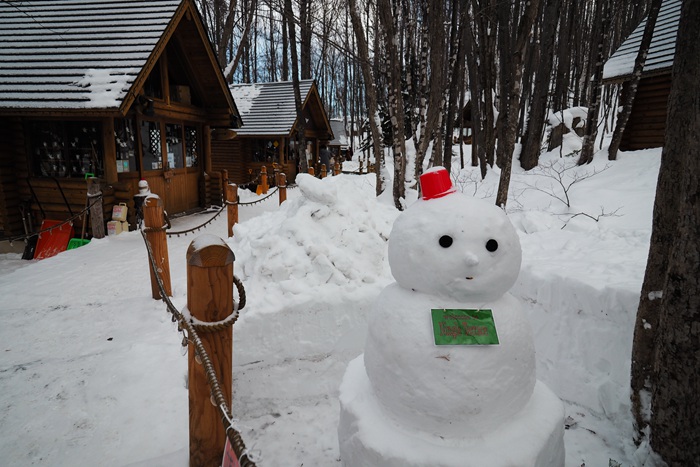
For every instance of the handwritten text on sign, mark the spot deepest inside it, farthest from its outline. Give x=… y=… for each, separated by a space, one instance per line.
x=464 y=327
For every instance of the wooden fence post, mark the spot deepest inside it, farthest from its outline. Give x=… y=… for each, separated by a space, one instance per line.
x=282 y=187
x=323 y=171
x=154 y=221
x=336 y=168
x=209 y=299
x=231 y=206
x=97 y=218
x=360 y=165
x=311 y=171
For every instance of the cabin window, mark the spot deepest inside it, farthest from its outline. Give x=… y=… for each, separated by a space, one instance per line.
x=66 y=149
x=151 y=145
x=265 y=150
x=173 y=143
x=125 y=142
x=191 y=146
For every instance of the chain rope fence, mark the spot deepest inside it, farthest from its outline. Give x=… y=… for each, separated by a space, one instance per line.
x=190 y=329
x=97 y=197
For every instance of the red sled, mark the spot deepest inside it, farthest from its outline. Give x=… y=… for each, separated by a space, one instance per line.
x=53 y=241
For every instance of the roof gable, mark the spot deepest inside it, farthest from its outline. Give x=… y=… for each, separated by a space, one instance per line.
x=270 y=109
x=620 y=65
x=94 y=55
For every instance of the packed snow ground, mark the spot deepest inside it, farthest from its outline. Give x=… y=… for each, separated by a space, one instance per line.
x=92 y=371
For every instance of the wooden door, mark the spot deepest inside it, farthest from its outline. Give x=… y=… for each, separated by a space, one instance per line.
x=171 y=165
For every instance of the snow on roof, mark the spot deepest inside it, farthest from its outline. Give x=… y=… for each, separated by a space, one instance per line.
x=76 y=54
x=340 y=138
x=268 y=108
x=661 y=50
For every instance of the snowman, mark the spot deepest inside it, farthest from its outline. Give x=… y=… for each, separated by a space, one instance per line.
x=447 y=377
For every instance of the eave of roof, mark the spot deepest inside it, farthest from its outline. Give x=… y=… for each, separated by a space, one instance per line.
x=620 y=65
x=268 y=109
x=86 y=57
x=76 y=54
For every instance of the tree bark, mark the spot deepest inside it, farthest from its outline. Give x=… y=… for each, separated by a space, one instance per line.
x=624 y=115
x=436 y=35
x=370 y=90
x=305 y=30
x=301 y=121
x=530 y=154
x=675 y=379
x=586 y=156
x=512 y=71
x=396 y=109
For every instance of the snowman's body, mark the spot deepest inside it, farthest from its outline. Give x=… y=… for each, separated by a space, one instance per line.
x=466 y=390
x=446 y=404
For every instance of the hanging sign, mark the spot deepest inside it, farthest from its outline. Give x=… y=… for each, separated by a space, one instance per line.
x=464 y=327
x=230 y=459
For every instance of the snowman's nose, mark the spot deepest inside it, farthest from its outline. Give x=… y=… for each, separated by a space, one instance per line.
x=471 y=259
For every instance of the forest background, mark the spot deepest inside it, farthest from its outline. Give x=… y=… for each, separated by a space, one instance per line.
x=510 y=63
x=495 y=71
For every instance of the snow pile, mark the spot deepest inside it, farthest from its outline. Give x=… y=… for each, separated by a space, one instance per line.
x=93 y=372
x=330 y=241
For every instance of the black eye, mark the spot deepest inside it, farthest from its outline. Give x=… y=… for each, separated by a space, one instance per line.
x=492 y=245
x=445 y=241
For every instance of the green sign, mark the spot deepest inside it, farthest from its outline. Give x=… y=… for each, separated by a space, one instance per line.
x=464 y=327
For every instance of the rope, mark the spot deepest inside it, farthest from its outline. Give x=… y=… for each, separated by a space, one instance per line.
x=274 y=190
x=229 y=320
x=26 y=237
x=232 y=434
x=199 y=227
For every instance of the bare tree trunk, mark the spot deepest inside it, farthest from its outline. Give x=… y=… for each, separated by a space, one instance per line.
x=675 y=376
x=586 y=157
x=273 y=47
x=396 y=110
x=305 y=28
x=373 y=114
x=436 y=33
x=226 y=33
x=512 y=74
x=530 y=154
x=285 y=46
x=231 y=68
x=301 y=121
x=631 y=90
x=454 y=77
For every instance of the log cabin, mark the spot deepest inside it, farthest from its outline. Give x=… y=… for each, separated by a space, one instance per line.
x=269 y=130
x=121 y=90
x=646 y=127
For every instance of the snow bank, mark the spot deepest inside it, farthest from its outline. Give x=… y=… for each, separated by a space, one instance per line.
x=329 y=242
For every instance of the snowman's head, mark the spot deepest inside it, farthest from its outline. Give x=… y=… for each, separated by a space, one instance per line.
x=455 y=246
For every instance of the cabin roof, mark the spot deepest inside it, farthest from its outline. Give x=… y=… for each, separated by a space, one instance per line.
x=620 y=65
x=87 y=55
x=268 y=109
x=340 y=138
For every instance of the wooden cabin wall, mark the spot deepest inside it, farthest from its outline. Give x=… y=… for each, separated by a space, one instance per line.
x=48 y=201
x=646 y=127
x=232 y=155
x=41 y=196
x=11 y=151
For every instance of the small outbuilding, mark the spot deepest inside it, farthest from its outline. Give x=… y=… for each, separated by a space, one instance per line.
x=122 y=90
x=340 y=142
x=269 y=130
x=646 y=127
